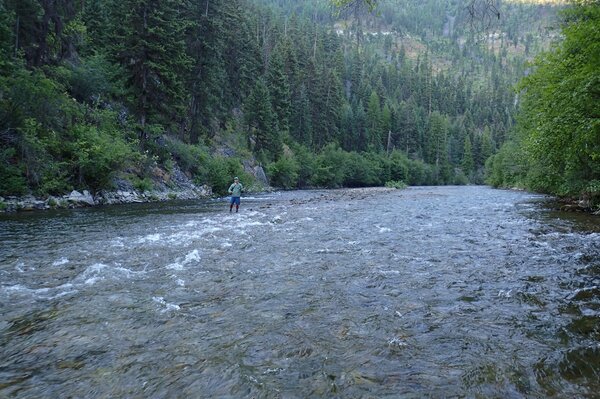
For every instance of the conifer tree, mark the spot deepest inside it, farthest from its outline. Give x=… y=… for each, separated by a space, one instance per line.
x=261 y=123
x=97 y=25
x=386 y=123
x=205 y=45
x=487 y=146
x=467 y=162
x=279 y=89
x=6 y=36
x=149 y=43
x=301 y=121
x=437 y=150
x=348 y=128
x=361 y=137
x=242 y=54
x=374 y=122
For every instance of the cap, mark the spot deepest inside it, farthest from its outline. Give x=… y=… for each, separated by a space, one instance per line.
x=236 y=178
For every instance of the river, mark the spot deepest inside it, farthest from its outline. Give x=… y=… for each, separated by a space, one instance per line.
x=423 y=292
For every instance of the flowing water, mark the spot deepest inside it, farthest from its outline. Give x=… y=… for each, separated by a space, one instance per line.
x=423 y=292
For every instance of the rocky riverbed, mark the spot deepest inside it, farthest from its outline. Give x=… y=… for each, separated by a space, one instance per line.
x=423 y=292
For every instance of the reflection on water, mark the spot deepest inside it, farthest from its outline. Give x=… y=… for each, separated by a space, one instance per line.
x=437 y=291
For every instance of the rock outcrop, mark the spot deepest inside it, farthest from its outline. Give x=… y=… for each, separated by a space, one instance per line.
x=166 y=186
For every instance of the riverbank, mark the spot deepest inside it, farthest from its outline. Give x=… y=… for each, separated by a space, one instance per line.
x=163 y=187
x=77 y=199
x=83 y=199
x=186 y=190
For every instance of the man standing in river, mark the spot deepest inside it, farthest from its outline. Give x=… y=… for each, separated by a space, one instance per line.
x=236 y=192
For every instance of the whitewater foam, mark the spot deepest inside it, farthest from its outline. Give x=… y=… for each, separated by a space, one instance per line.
x=193 y=256
x=168 y=306
x=60 y=262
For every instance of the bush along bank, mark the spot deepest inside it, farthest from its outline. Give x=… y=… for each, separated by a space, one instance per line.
x=161 y=187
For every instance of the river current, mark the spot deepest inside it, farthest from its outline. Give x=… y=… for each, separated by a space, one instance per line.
x=365 y=293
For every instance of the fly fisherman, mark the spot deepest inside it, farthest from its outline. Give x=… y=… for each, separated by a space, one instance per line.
x=236 y=192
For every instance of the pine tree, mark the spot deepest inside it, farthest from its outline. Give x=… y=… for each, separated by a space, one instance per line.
x=242 y=54
x=97 y=25
x=348 y=128
x=487 y=146
x=149 y=43
x=361 y=136
x=386 y=123
x=467 y=163
x=437 y=150
x=301 y=121
x=41 y=29
x=207 y=80
x=6 y=36
x=260 y=120
x=374 y=122
x=279 y=89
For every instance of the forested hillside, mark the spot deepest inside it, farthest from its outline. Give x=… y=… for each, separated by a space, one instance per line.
x=418 y=92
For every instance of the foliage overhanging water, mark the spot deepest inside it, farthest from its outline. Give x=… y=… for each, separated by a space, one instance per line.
x=437 y=291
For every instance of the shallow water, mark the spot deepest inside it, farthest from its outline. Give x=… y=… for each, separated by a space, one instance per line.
x=423 y=292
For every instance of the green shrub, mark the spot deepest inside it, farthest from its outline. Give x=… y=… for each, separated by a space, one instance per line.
x=142 y=185
x=94 y=79
x=397 y=184
x=306 y=162
x=359 y=171
x=460 y=179
x=55 y=179
x=172 y=196
x=284 y=172
x=417 y=173
x=399 y=166
x=329 y=171
x=508 y=167
x=222 y=170
x=191 y=158
x=96 y=154
x=12 y=181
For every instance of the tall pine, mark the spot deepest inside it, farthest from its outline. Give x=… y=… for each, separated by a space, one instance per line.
x=260 y=119
x=149 y=42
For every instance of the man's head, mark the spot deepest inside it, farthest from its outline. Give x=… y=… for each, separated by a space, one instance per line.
x=236 y=179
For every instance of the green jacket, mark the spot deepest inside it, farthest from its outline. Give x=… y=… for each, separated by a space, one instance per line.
x=236 y=189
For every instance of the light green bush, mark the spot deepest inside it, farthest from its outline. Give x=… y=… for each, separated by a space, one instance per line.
x=397 y=184
x=284 y=172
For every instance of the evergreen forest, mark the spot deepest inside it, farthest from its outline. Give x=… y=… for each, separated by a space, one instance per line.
x=359 y=93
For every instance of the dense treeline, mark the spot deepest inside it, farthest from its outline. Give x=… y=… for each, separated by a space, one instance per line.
x=555 y=147
x=89 y=90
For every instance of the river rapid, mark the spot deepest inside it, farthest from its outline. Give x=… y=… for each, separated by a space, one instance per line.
x=365 y=293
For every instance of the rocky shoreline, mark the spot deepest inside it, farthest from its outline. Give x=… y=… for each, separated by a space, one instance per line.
x=165 y=186
x=77 y=199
